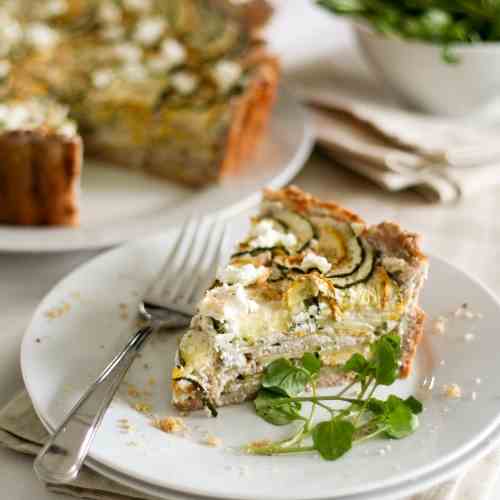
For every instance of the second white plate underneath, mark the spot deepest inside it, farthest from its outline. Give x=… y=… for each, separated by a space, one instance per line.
x=120 y=205
x=85 y=319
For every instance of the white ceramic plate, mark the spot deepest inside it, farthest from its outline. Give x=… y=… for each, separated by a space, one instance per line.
x=67 y=345
x=120 y=205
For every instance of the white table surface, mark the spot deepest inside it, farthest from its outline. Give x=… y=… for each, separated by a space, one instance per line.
x=467 y=234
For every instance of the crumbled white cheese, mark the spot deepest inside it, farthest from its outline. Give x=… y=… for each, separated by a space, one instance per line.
x=173 y=51
x=265 y=236
x=10 y=33
x=41 y=36
x=184 y=83
x=128 y=52
x=113 y=33
x=314 y=261
x=138 y=6
x=245 y=275
x=394 y=264
x=172 y=54
x=230 y=355
x=304 y=323
x=52 y=8
x=134 y=72
x=5 y=67
x=478 y=381
x=109 y=12
x=149 y=30
x=102 y=78
x=226 y=74
x=452 y=391
x=473 y=396
x=13 y=116
x=227 y=302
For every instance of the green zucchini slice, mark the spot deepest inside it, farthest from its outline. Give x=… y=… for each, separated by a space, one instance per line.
x=363 y=271
x=258 y=250
x=295 y=223
x=339 y=244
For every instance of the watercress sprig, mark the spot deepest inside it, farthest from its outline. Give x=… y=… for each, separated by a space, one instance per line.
x=441 y=22
x=362 y=417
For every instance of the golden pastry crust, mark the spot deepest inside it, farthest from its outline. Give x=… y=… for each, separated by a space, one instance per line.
x=251 y=113
x=296 y=199
x=39 y=178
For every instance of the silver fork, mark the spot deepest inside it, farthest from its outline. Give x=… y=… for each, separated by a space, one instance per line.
x=169 y=303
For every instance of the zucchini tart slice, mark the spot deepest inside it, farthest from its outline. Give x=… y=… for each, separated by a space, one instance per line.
x=309 y=277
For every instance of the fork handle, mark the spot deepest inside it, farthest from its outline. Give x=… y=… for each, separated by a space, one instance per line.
x=62 y=457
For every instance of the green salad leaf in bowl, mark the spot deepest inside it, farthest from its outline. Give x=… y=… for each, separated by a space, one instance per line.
x=441 y=22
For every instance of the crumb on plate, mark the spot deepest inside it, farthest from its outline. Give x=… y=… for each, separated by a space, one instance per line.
x=439 y=326
x=212 y=441
x=170 y=425
x=452 y=391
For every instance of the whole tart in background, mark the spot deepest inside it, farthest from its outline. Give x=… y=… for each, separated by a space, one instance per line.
x=181 y=89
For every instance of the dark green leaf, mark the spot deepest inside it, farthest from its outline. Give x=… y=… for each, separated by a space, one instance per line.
x=399 y=420
x=385 y=358
x=283 y=377
x=356 y=363
x=334 y=438
x=277 y=415
x=376 y=406
x=311 y=362
x=414 y=404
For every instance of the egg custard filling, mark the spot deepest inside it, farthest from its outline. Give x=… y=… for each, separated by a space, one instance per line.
x=309 y=277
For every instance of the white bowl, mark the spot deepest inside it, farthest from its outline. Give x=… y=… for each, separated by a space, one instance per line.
x=417 y=73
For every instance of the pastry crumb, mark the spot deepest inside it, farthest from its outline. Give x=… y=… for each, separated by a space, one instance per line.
x=170 y=425
x=478 y=381
x=442 y=362
x=469 y=337
x=439 y=326
x=133 y=392
x=143 y=408
x=123 y=311
x=57 y=312
x=212 y=441
x=452 y=391
x=125 y=426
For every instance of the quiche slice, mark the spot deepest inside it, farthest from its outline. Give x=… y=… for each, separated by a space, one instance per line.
x=309 y=277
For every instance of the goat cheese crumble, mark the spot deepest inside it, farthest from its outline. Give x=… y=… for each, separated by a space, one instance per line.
x=312 y=261
x=184 y=83
x=226 y=74
x=265 y=236
x=245 y=275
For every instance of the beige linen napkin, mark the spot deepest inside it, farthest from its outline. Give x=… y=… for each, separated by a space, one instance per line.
x=22 y=431
x=444 y=159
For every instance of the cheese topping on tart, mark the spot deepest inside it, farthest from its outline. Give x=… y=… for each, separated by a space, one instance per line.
x=277 y=297
x=35 y=113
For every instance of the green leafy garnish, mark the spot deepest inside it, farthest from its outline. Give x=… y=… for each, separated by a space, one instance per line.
x=441 y=22
x=352 y=420
x=283 y=377
x=277 y=415
x=333 y=438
